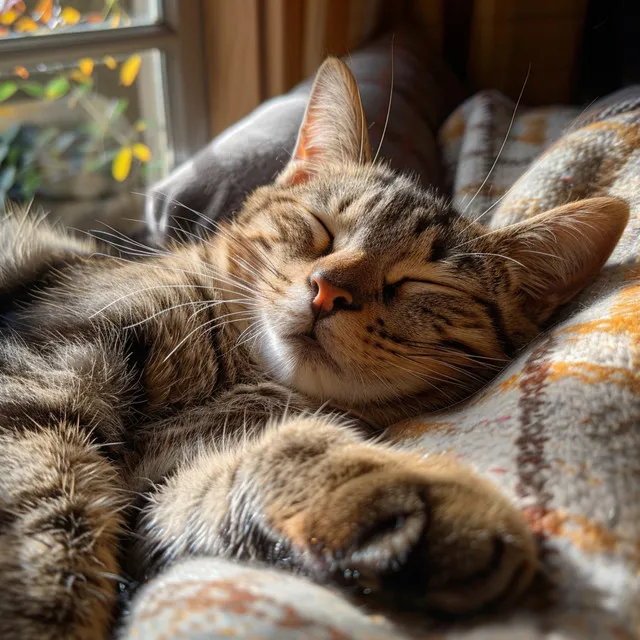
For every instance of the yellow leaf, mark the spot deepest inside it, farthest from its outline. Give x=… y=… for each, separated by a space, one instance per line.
x=70 y=15
x=141 y=126
x=129 y=70
x=43 y=10
x=86 y=66
x=121 y=164
x=8 y=17
x=26 y=25
x=79 y=77
x=110 y=62
x=115 y=21
x=21 y=72
x=142 y=152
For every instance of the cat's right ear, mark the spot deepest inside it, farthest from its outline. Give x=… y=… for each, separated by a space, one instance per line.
x=334 y=128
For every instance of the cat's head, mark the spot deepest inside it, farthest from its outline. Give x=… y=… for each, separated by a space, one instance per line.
x=372 y=289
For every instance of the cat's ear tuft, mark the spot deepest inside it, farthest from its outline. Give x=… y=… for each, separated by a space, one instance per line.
x=334 y=128
x=556 y=253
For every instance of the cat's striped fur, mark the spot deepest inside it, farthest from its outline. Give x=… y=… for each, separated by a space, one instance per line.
x=201 y=384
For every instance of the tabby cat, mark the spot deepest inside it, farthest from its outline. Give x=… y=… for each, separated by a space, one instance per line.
x=219 y=398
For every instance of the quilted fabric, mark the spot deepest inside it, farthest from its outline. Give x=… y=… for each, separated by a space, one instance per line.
x=558 y=430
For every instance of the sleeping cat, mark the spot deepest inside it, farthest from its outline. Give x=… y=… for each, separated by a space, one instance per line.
x=230 y=388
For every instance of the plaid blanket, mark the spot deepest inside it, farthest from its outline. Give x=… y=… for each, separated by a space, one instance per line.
x=559 y=430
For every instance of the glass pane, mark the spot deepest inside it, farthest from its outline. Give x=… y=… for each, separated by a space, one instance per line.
x=20 y=18
x=83 y=139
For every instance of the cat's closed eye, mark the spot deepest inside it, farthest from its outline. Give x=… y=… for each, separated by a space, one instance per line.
x=322 y=236
x=390 y=291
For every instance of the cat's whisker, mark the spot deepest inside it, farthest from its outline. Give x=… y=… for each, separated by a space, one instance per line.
x=154 y=265
x=256 y=328
x=120 y=248
x=146 y=289
x=421 y=377
x=502 y=146
x=250 y=269
x=243 y=312
x=172 y=200
x=200 y=327
x=496 y=255
x=434 y=375
x=259 y=329
x=124 y=237
x=386 y=121
x=266 y=261
x=205 y=304
x=446 y=351
x=130 y=248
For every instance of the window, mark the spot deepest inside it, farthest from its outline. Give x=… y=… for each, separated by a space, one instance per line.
x=98 y=98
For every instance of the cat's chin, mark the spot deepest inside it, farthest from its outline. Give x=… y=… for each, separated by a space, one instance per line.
x=301 y=361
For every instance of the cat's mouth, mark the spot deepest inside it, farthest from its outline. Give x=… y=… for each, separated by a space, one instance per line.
x=309 y=339
x=308 y=343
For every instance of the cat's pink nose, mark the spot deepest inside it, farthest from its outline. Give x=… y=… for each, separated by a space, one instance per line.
x=328 y=297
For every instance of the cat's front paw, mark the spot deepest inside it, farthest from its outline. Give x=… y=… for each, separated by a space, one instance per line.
x=424 y=530
x=451 y=545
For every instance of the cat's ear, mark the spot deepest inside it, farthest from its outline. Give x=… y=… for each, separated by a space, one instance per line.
x=334 y=128
x=556 y=253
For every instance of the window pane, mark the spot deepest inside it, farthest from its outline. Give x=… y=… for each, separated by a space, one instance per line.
x=81 y=139
x=19 y=18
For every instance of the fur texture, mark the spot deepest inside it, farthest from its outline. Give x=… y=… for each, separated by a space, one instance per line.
x=205 y=384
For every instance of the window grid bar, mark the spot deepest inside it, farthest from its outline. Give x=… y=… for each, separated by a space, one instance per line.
x=65 y=46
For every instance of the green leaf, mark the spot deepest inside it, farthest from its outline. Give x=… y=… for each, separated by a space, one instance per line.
x=13 y=156
x=7 y=176
x=119 y=108
x=96 y=164
x=56 y=88
x=83 y=89
x=4 y=150
x=32 y=89
x=30 y=184
x=7 y=89
x=10 y=133
x=46 y=136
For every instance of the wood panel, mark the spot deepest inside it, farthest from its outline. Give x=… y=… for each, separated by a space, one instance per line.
x=431 y=15
x=509 y=35
x=282 y=54
x=232 y=45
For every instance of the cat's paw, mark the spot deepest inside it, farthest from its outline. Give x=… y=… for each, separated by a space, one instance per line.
x=451 y=545
x=426 y=531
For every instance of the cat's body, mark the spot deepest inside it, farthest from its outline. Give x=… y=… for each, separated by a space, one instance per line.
x=203 y=385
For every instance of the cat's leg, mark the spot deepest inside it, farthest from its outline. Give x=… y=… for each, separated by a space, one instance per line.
x=313 y=494
x=60 y=505
x=60 y=517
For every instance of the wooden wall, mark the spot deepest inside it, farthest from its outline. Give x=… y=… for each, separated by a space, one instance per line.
x=256 y=49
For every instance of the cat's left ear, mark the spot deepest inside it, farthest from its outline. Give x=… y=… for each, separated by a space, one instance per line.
x=555 y=254
x=334 y=128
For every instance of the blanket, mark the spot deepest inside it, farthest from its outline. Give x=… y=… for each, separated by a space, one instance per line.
x=558 y=430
